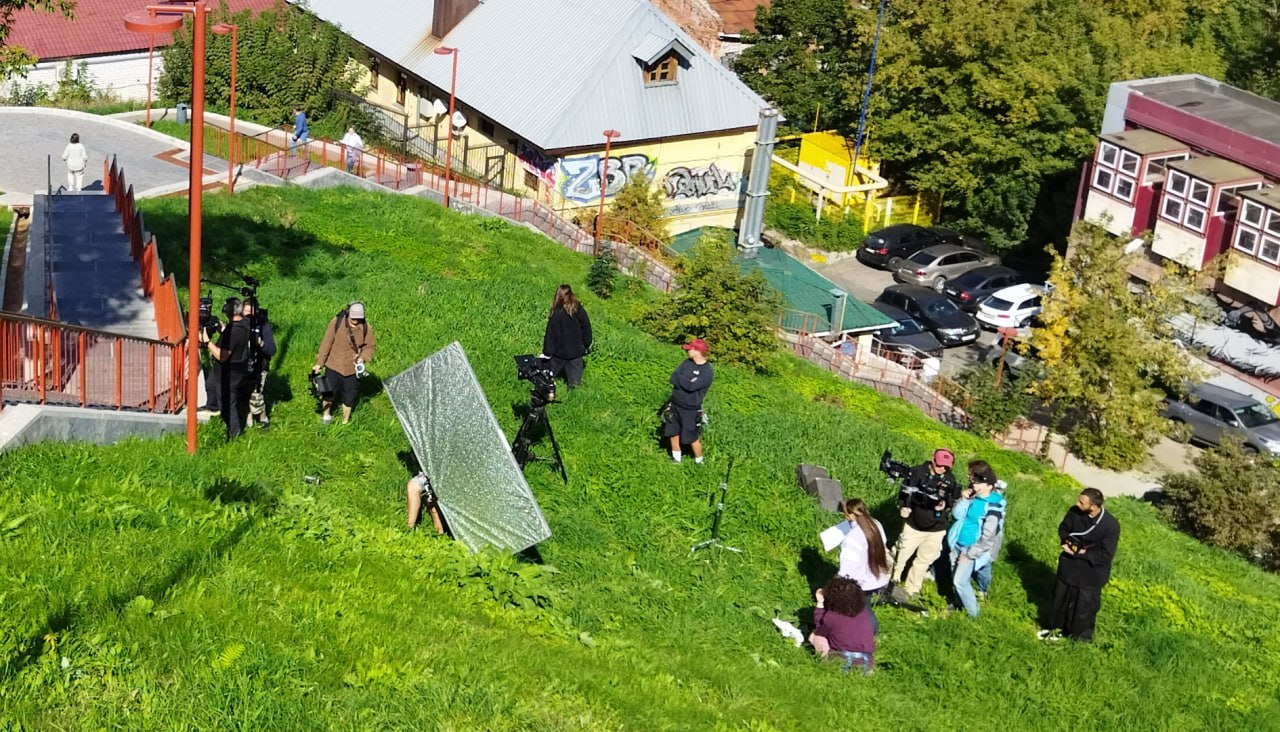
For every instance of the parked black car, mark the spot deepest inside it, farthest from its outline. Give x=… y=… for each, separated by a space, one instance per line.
x=952 y=326
x=972 y=287
x=907 y=336
x=903 y=240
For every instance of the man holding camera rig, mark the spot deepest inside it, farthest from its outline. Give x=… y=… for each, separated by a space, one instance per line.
x=262 y=347
x=1089 y=537
x=232 y=353
x=348 y=344
x=927 y=494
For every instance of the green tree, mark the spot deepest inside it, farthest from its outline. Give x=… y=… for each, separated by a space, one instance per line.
x=736 y=312
x=1108 y=350
x=286 y=57
x=993 y=408
x=14 y=59
x=603 y=274
x=636 y=214
x=1219 y=506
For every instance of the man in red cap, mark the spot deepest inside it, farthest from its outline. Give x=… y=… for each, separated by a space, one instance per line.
x=924 y=502
x=689 y=384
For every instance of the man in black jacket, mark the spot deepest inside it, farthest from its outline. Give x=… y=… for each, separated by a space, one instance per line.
x=689 y=384
x=1089 y=537
x=924 y=502
x=232 y=351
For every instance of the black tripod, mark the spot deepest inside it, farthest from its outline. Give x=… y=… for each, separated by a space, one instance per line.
x=714 y=541
x=535 y=416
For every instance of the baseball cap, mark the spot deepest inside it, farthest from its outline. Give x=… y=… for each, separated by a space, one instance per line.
x=356 y=311
x=697 y=344
x=943 y=458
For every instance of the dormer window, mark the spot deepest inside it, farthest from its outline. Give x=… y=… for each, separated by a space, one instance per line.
x=663 y=72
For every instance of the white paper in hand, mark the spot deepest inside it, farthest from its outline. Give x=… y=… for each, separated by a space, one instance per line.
x=834 y=536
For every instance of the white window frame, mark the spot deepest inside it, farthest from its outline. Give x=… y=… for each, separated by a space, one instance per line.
x=1176 y=217
x=1132 y=187
x=1186 y=217
x=1249 y=206
x=1240 y=233
x=1100 y=171
x=1269 y=241
x=1186 y=201
x=1175 y=178
x=1114 y=171
x=1105 y=149
x=1197 y=187
x=1129 y=163
x=1273 y=223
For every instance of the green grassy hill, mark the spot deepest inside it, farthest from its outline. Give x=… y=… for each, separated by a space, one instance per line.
x=145 y=589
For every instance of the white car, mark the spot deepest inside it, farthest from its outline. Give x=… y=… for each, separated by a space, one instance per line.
x=1012 y=307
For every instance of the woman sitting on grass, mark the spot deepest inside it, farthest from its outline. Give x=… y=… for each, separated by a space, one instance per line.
x=842 y=624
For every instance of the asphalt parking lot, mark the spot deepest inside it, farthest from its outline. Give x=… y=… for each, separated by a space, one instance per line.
x=865 y=283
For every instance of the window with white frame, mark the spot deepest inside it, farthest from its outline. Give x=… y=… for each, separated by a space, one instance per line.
x=1115 y=172
x=1186 y=201
x=1258 y=232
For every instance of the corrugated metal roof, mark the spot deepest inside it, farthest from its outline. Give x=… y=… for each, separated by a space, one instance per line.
x=558 y=72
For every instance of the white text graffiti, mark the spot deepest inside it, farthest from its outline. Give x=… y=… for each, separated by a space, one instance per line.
x=700 y=182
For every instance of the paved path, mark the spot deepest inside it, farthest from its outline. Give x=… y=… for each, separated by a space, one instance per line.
x=32 y=134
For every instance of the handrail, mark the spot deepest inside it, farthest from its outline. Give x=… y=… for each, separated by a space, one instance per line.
x=73 y=328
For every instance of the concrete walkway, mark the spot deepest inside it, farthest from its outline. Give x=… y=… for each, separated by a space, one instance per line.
x=34 y=137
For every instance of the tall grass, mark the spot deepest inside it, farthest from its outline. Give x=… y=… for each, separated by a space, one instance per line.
x=146 y=589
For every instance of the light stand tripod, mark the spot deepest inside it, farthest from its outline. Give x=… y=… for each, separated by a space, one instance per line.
x=714 y=541
x=522 y=446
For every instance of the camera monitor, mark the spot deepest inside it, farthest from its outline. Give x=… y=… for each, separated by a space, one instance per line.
x=460 y=446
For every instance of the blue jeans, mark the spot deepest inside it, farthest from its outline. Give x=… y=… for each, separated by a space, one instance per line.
x=961 y=576
x=294 y=142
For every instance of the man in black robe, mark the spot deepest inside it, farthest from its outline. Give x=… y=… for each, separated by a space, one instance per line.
x=1089 y=535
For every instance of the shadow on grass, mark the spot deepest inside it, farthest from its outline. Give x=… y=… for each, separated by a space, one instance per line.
x=228 y=491
x=1037 y=578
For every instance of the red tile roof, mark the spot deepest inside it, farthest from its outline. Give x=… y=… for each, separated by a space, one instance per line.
x=98 y=29
x=737 y=16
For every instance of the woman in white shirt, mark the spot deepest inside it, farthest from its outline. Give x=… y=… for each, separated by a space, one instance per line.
x=77 y=158
x=864 y=557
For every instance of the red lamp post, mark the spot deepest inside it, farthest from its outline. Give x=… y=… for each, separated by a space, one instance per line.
x=604 y=183
x=453 y=95
x=222 y=29
x=150 y=21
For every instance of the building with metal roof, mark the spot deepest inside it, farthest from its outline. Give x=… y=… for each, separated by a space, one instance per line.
x=539 y=82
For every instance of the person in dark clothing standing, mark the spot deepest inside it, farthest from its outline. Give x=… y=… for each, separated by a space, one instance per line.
x=689 y=384
x=568 y=336
x=1089 y=537
x=926 y=497
x=232 y=352
x=263 y=348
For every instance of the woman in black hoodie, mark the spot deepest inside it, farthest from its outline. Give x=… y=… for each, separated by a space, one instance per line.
x=568 y=336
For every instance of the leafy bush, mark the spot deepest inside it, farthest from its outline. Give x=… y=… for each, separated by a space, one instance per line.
x=993 y=408
x=838 y=231
x=1231 y=501
x=736 y=313
x=636 y=214
x=603 y=274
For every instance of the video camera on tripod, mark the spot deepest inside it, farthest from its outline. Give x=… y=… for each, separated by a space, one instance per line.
x=538 y=372
x=248 y=292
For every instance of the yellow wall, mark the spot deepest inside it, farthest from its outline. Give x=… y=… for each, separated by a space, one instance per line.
x=1248 y=275
x=1112 y=215
x=829 y=157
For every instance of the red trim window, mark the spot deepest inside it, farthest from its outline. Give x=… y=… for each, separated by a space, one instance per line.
x=1116 y=172
x=1255 y=239
x=1186 y=202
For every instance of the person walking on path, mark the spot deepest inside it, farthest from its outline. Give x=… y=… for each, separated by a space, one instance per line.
x=689 y=385
x=349 y=344
x=1089 y=536
x=568 y=336
x=353 y=148
x=300 y=131
x=76 y=158
x=977 y=534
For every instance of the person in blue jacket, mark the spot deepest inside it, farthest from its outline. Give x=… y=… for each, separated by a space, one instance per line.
x=976 y=535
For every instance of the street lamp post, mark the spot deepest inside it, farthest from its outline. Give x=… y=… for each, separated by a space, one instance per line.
x=453 y=95
x=149 y=20
x=604 y=183
x=223 y=29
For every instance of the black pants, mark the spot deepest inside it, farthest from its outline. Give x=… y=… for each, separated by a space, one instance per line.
x=570 y=368
x=1075 y=609
x=236 y=387
x=213 y=386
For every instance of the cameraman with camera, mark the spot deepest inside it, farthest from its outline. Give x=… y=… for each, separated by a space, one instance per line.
x=262 y=347
x=210 y=327
x=232 y=353
x=1089 y=537
x=349 y=343
x=927 y=493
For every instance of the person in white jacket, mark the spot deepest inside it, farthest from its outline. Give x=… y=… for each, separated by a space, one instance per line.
x=76 y=158
x=353 y=145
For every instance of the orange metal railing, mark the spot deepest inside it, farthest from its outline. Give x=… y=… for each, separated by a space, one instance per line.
x=47 y=362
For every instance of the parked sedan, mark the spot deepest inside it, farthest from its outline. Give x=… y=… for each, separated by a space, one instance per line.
x=934 y=311
x=1212 y=411
x=903 y=240
x=907 y=335
x=933 y=266
x=972 y=287
x=1012 y=307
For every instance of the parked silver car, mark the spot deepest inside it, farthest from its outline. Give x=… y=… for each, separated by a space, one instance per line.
x=1212 y=411
x=933 y=266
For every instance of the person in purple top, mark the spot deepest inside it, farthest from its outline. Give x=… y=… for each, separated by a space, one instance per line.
x=300 y=130
x=842 y=624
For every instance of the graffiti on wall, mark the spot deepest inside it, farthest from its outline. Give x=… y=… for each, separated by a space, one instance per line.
x=537 y=163
x=580 y=177
x=697 y=183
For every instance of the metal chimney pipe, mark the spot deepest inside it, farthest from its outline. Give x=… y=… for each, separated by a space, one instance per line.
x=749 y=234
